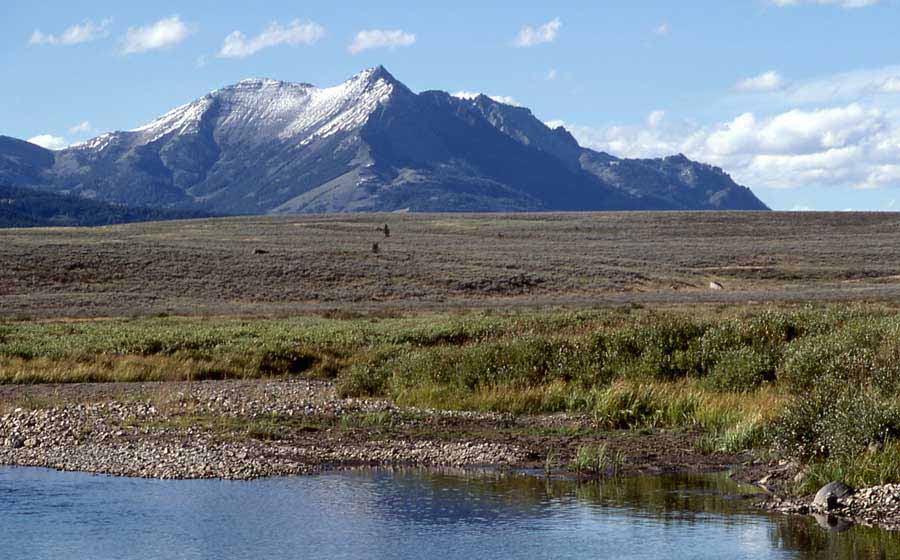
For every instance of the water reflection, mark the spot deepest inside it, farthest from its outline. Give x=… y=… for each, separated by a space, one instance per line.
x=407 y=514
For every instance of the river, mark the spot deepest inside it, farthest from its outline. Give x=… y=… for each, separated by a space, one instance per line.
x=46 y=514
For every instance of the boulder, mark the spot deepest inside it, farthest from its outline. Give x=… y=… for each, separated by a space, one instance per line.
x=715 y=286
x=827 y=497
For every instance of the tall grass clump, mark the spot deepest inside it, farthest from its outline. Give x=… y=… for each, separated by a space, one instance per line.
x=597 y=461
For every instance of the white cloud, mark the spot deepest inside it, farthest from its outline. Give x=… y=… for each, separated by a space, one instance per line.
x=551 y=75
x=845 y=86
x=159 y=35
x=841 y=3
x=767 y=81
x=80 y=33
x=663 y=29
x=854 y=146
x=545 y=33
x=381 y=39
x=81 y=128
x=655 y=118
x=505 y=99
x=237 y=45
x=49 y=141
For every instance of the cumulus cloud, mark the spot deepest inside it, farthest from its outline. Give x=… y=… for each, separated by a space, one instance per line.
x=841 y=3
x=545 y=33
x=381 y=39
x=847 y=146
x=238 y=45
x=505 y=99
x=79 y=33
x=158 y=35
x=767 y=81
x=81 y=128
x=49 y=141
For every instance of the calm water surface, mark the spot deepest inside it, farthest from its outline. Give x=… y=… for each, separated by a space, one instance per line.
x=411 y=514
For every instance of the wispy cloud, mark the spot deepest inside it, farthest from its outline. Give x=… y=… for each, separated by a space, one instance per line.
x=767 y=81
x=162 y=34
x=655 y=118
x=49 y=141
x=845 y=86
x=841 y=3
x=663 y=29
x=381 y=39
x=238 y=45
x=80 y=33
x=81 y=128
x=551 y=75
x=545 y=33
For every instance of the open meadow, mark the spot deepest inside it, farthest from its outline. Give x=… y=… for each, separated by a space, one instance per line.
x=298 y=264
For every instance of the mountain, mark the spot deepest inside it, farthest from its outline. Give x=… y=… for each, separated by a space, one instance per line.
x=368 y=144
x=25 y=207
x=22 y=162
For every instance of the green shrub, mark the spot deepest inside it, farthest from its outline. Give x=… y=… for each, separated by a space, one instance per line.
x=834 y=419
x=368 y=376
x=848 y=354
x=742 y=369
x=661 y=347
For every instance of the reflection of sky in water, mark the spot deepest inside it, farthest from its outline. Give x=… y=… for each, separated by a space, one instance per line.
x=44 y=514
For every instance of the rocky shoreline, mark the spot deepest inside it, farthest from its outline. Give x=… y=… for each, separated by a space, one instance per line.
x=875 y=506
x=168 y=436
x=244 y=430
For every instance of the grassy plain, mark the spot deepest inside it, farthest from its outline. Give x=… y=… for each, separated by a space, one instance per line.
x=300 y=264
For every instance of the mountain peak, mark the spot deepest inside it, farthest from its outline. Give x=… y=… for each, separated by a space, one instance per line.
x=376 y=74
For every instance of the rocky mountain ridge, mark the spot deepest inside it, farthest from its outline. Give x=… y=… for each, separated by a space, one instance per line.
x=369 y=144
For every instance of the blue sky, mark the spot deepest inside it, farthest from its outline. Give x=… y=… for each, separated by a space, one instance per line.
x=797 y=99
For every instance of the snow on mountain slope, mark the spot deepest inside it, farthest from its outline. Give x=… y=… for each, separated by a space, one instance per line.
x=258 y=110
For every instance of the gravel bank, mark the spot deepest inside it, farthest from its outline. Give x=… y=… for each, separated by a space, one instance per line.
x=161 y=433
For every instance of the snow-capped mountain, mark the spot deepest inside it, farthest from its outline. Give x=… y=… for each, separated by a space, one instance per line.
x=368 y=144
